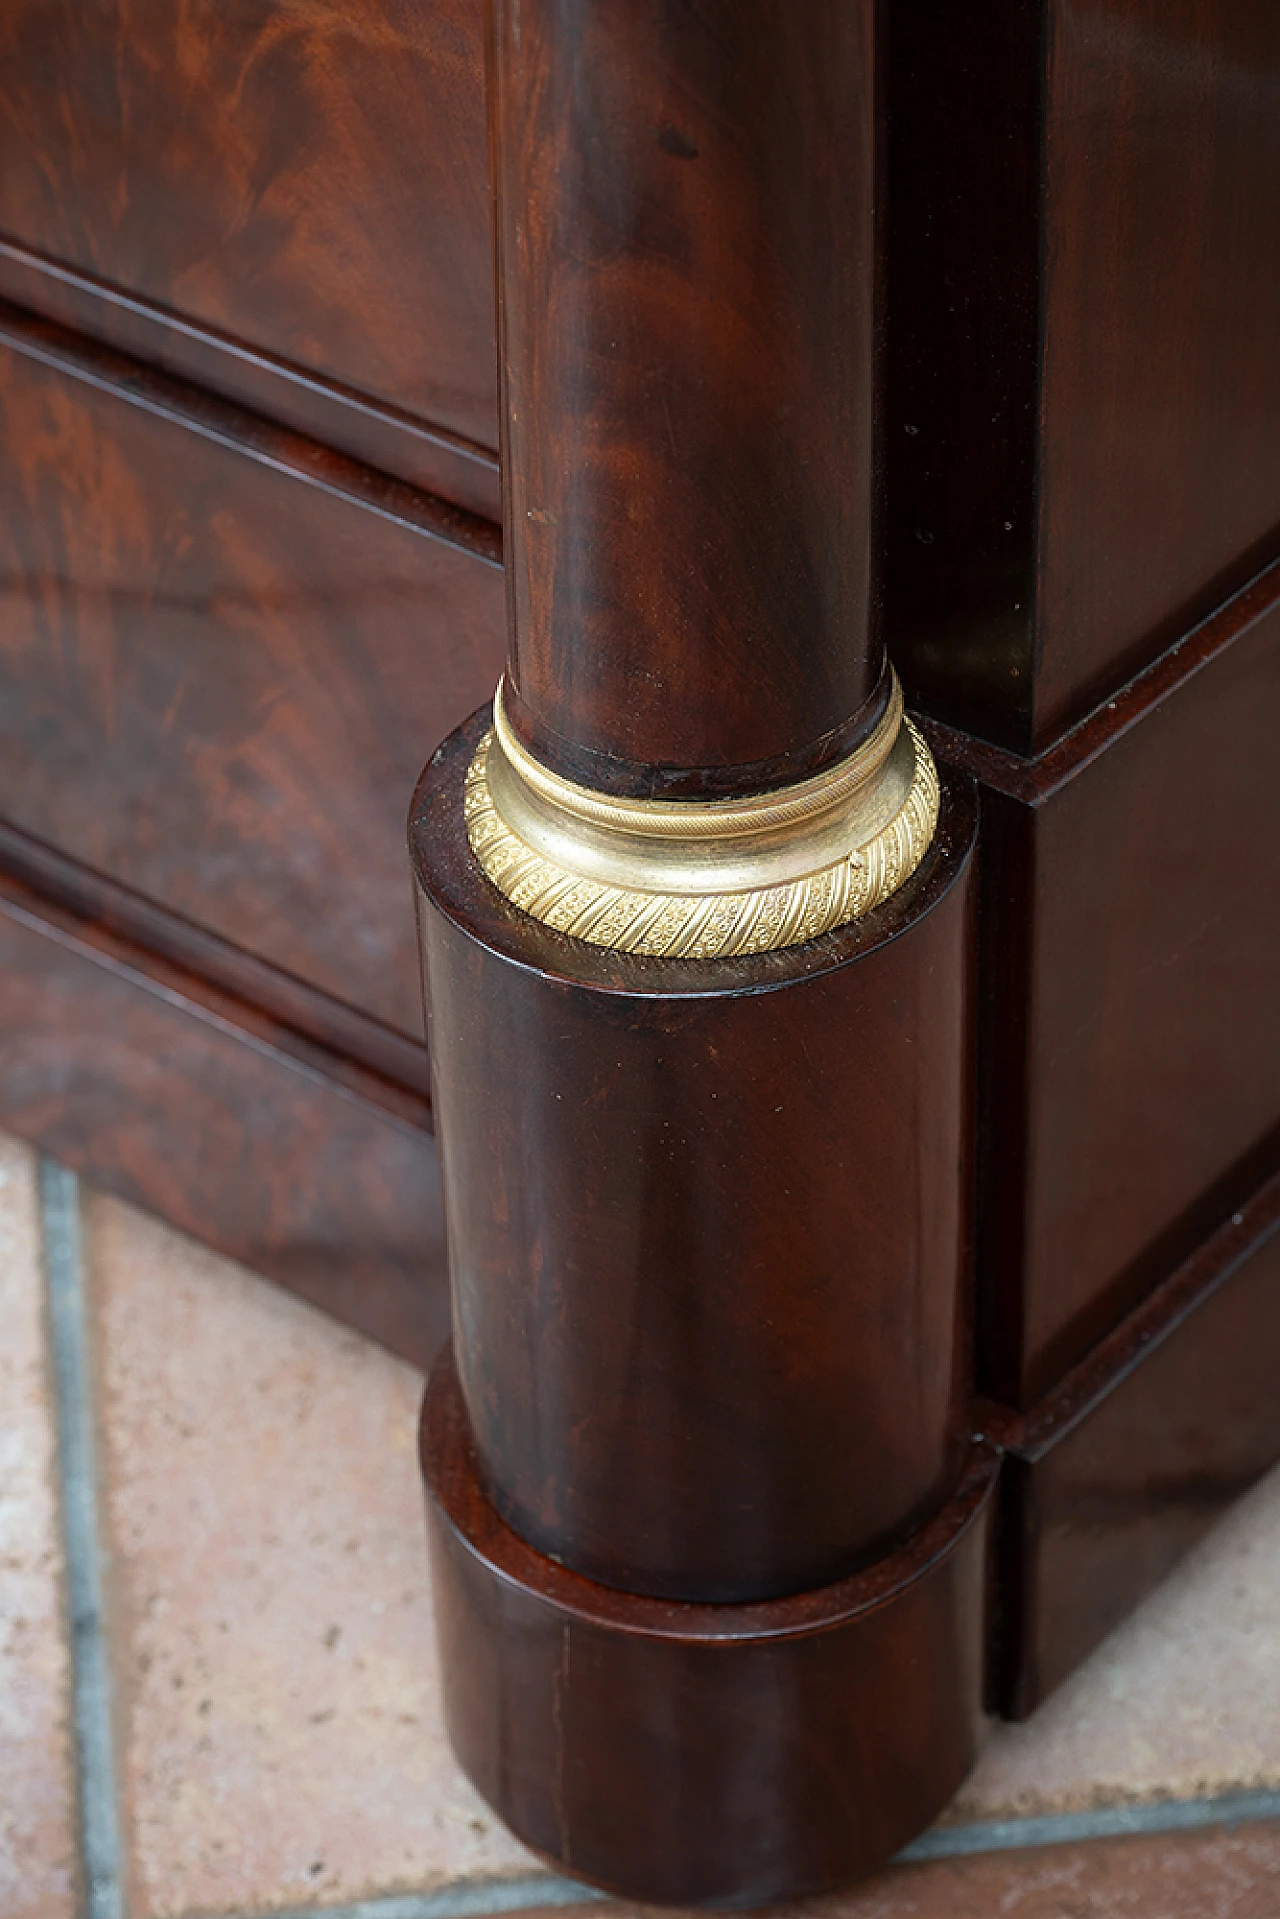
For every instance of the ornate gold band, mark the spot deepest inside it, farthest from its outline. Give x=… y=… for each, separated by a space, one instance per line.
x=698 y=879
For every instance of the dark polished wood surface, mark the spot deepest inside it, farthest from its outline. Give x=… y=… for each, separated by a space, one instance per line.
x=1130 y=953
x=708 y=1220
x=997 y=606
x=217 y=672
x=708 y=1232
x=1161 y=383
x=1129 y=1460
x=688 y=365
x=705 y=1755
x=234 y=623
x=165 y=397
x=346 y=1031
x=308 y=181
x=382 y=436
x=961 y=353
x=1083 y=383
x=197 y=1106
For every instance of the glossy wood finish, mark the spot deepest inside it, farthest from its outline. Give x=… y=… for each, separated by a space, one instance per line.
x=344 y=1030
x=710 y=1347
x=1161 y=380
x=197 y=1106
x=961 y=352
x=709 y=1229
x=1130 y=952
x=688 y=373
x=373 y=432
x=1129 y=1460
x=221 y=651
x=308 y=181
x=704 y=1755
x=708 y=1235
x=1083 y=379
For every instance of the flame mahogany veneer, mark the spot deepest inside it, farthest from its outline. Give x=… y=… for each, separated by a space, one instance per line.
x=723 y=1576
x=287 y=205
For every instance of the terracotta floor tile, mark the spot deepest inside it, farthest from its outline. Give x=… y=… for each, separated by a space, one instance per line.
x=37 y=1833
x=1218 y=1875
x=1183 y=1700
x=1201 y=1875
x=281 y=1739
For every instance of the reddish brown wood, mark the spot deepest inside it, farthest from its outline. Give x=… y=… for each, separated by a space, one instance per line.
x=48 y=343
x=1083 y=381
x=1161 y=381
x=708 y=1220
x=344 y=1030
x=375 y=433
x=197 y=1106
x=707 y=1225
x=1115 y=1474
x=225 y=653
x=225 y=648
x=308 y=181
x=1131 y=946
x=705 y=1755
x=687 y=355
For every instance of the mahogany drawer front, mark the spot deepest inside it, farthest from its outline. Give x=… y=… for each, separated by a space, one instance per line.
x=310 y=179
x=195 y=1106
x=218 y=683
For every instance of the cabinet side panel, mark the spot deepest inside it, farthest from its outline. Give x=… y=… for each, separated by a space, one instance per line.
x=1154 y=1029
x=1082 y=376
x=1160 y=463
x=1118 y=1497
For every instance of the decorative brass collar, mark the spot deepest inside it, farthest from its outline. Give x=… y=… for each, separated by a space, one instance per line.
x=698 y=879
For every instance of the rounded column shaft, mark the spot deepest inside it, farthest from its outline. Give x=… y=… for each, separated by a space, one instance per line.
x=685 y=224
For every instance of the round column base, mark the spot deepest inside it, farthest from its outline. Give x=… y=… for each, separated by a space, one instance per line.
x=705 y=1755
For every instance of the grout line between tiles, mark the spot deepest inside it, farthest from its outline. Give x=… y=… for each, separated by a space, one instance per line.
x=465 y=1899
x=1095 y=1822
x=474 y=1899
x=78 y=1487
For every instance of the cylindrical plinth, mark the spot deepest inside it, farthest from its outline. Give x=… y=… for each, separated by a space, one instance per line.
x=706 y=1225
x=704 y=1755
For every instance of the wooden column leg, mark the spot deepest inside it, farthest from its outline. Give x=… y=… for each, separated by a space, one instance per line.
x=707 y=1522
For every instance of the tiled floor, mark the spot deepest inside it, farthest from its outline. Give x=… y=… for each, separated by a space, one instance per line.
x=37 y=1813
x=277 y=1741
